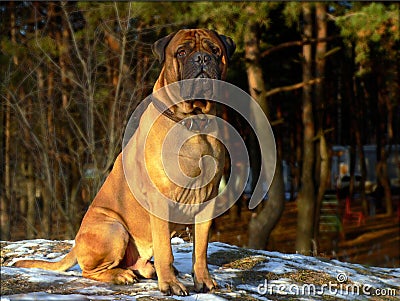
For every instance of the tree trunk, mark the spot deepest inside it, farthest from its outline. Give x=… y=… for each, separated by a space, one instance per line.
x=71 y=196
x=253 y=68
x=256 y=89
x=46 y=140
x=321 y=28
x=323 y=171
x=30 y=195
x=5 y=178
x=5 y=199
x=358 y=134
x=381 y=166
x=50 y=143
x=323 y=181
x=306 y=199
x=261 y=224
x=363 y=169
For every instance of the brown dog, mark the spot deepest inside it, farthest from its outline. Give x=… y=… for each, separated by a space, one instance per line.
x=118 y=236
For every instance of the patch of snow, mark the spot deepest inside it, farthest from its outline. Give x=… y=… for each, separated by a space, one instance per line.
x=43 y=296
x=177 y=240
x=234 y=283
x=53 y=255
x=94 y=290
x=200 y=297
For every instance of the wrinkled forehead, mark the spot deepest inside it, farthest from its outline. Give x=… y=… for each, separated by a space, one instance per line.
x=195 y=36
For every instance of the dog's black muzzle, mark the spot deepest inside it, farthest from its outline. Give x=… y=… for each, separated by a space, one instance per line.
x=201 y=65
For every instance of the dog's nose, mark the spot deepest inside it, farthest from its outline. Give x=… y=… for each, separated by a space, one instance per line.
x=201 y=58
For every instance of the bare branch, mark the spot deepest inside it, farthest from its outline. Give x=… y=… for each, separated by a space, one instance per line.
x=124 y=32
x=296 y=43
x=277 y=122
x=293 y=87
x=78 y=53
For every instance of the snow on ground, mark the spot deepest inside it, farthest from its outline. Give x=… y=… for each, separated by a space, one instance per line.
x=242 y=274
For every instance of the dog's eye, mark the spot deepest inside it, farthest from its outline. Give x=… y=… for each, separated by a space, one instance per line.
x=215 y=50
x=181 y=52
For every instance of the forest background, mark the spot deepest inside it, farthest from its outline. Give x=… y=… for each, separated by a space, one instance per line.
x=72 y=73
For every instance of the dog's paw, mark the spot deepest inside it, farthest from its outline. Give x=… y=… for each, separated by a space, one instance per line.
x=173 y=287
x=205 y=285
x=115 y=276
x=203 y=282
x=122 y=276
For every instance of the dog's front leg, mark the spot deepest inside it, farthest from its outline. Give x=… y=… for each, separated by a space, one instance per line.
x=163 y=258
x=202 y=279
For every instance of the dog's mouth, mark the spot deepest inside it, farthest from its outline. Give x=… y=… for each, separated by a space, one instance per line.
x=198 y=119
x=198 y=88
x=204 y=74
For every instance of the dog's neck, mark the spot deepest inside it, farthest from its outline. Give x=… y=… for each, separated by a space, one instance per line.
x=192 y=123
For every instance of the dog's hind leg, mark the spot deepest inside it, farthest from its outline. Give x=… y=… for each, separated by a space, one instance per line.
x=100 y=247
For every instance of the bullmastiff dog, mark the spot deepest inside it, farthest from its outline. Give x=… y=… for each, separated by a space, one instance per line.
x=118 y=236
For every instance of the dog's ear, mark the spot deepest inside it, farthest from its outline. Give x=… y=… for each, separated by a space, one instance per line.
x=159 y=47
x=229 y=44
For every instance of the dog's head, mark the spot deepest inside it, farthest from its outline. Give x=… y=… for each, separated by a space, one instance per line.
x=193 y=54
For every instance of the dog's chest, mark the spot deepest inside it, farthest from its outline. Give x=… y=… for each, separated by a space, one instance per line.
x=200 y=153
x=184 y=165
x=201 y=160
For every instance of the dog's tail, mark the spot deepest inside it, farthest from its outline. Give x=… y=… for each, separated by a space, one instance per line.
x=64 y=264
